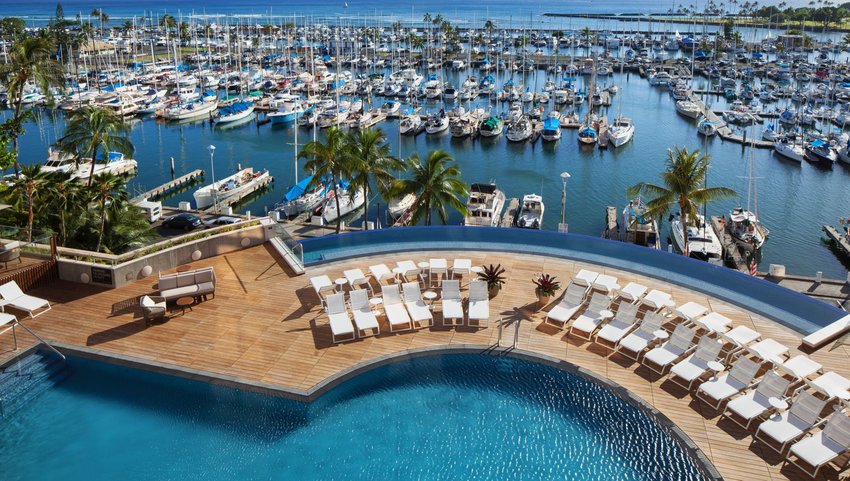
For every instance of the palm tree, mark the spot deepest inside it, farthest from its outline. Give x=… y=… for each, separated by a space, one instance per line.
x=107 y=188
x=436 y=184
x=29 y=62
x=588 y=35
x=126 y=228
x=684 y=186
x=92 y=128
x=327 y=159
x=27 y=189
x=100 y=15
x=66 y=200
x=370 y=159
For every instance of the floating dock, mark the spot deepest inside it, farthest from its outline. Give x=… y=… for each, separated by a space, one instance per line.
x=731 y=254
x=511 y=213
x=163 y=189
x=838 y=239
x=723 y=130
x=612 y=225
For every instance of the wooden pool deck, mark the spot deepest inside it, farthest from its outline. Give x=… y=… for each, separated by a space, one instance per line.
x=265 y=326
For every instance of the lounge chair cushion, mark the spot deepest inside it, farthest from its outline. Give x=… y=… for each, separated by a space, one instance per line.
x=184 y=280
x=614 y=331
x=817 y=450
x=637 y=341
x=690 y=368
x=166 y=283
x=749 y=405
x=784 y=428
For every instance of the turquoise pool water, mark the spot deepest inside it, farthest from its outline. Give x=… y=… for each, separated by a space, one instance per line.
x=449 y=417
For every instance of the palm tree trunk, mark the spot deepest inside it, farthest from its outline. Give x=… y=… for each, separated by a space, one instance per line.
x=336 y=199
x=93 y=161
x=366 y=206
x=62 y=227
x=31 y=214
x=102 y=223
x=684 y=215
x=18 y=105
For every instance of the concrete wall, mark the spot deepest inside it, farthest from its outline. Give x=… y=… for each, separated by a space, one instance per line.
x=166 y=259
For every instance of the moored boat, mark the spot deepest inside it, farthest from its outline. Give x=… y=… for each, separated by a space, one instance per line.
x=238 y=183
x=531 y=214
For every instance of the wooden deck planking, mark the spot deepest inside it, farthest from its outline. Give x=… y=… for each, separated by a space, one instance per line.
x=265 y=326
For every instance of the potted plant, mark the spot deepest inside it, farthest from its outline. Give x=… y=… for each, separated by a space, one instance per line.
x=493 y=276
x=546 y=287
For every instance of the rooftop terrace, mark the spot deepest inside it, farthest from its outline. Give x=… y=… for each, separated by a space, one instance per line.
x=265 y=327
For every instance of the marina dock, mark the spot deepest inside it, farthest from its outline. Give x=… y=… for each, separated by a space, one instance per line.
x=838 y=239
x=163 y=189
x=612 y=226
x=723 y=130
x=511 y=213
x=731 y=254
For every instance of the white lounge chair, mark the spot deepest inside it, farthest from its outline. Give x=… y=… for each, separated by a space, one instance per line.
x=657 y=300
x=417 y=308
x=380 y=272
x=663 y=356
x=461 y=267
x=632 y=293
x=633 y=345
x=691 y=369
x=743 y=410
x=356 y=278
x=338 y=318
x=364 y=319
x=801 y=367
x=605 y=284
x=778 y=431
x=570 y=304
x=409 y=270
x=769 y=350
x=13 y=296
x=437 y=267
x=394 y=308
x=322 y=284
x=737 y=339
x=832 y=385
x=714 y=323
x=597 y=311
x=823 y=447
x=717 y=390
x=452 y=303
x=479 y=302
x=584 y=278
x=689 y=311
x=623 y=323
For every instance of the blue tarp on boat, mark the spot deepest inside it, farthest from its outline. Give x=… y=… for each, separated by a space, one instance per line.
x=297 y=190
x=551 y=124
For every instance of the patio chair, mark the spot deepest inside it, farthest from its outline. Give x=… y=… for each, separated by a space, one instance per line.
x=479 y=302
x=714 y=323
x=657 y=300
x=452 y=303
x=823 y=447
x=438 y=268
x=777 y=432
x=632 y=293
x=718 y=390
x=153 y=308
x=597 y=311
x=737 y=339
x=769 y=350
x=364 y=318
x=689 y=311
x=461 y=267
x=636 y=342
x=380 y=272
x=322 y=284
x=605 y=284
x=409 y=270
x=394 y=308
x=10 y=252
x=15 y=297
x=832 y=385
x=743 y=410
x=691 y=369
x=419 y=311
x=623 y=323
x=663 y=356
x=800 y=368
x=570 y=304
x=584 y=278
x=338 y=318
x=356 y=278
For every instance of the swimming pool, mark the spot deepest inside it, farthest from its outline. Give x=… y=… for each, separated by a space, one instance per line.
x=450 y=416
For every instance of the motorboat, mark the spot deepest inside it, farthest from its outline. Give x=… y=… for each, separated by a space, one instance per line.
x=484 y=206
x=437 y=123
x=234 y=112
x=191 y=110
x=688 y=109
x=492 y=126
x=703 y=243
x=639 y=226
x=115 y=163
x=58 y=161
x=391 y=108
x=519 y=130
x=348 y=203
x=745 y=227
x=551 y=129
x=819 y=150
x=410 y=124
x=621 y=131
x=286 y=109
x=587 y=135
x=531 y=214
x=298 y=199
x=706 y=128
x=239 y=183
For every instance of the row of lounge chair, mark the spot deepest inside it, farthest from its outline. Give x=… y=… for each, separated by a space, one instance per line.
x=696 y=354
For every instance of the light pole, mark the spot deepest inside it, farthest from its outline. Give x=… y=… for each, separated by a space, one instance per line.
x=212 y=171
x=562 y=227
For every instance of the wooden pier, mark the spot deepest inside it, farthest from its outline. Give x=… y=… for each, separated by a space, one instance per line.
x=838 y=239
x=723 y=130
x=612 y=226
x=163 y=189
x=511 y=213
x=238 y=197
x=731 y=254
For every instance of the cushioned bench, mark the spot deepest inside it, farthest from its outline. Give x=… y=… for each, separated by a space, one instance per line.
x=197 y=283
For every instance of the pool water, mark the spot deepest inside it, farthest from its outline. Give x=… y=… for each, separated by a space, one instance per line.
x=447 y=417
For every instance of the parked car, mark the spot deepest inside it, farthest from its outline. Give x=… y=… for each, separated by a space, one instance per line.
x=185 y=221
x=221 y=220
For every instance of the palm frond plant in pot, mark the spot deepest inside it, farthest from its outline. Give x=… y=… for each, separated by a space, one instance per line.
x=494 y=276
x=546 y=286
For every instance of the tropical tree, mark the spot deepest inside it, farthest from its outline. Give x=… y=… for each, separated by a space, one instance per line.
x=369 y=160
x=107 y=188
x=327 y=159
x=126 y=227
x=684 y=187
x=435 y=183
x=100 y=15
x=66 y=200
x=489 y=27
x=26 y=190
x=91 y=129
x=29 y=62
x=168 y=21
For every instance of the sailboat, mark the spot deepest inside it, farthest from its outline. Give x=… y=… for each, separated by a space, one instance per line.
x=702 y=241
x=348 y=202
x=744 y=225
x=297 y=199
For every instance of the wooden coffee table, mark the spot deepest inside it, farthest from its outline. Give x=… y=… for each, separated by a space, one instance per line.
x=185 y=302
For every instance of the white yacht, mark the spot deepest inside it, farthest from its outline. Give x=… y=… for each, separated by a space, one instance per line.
x=398 y=206
x=115 y=163
x=639 y=227
x=238 y=183
x=437 y=122
x=347 y=202
x=58 y=161
x=485 y=204
x=519 y=130
x=706 y=128
x=410 y=123
x=745 y=227
x=789 y=150
x=689 y=109
x=298 y=199
x=492 y=126
x=234 y=112
x=192 y=110
x=391 y=108
x=285 y=109
x=531 y=215
x=702 y=241
x=621 y=131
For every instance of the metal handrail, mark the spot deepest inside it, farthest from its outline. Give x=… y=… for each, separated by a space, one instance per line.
x=15 y=337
